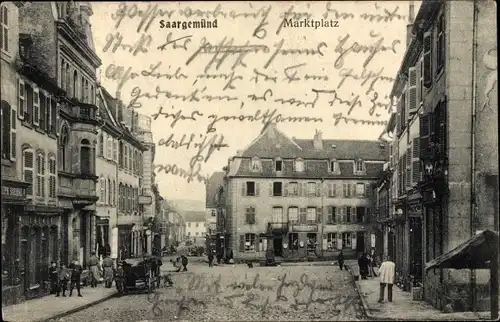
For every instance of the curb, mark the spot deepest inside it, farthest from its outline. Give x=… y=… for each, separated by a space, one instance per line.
x=366 y=308
x=79 y=308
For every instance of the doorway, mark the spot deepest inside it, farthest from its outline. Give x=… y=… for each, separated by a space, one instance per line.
x=278 y=246
x=360 y=242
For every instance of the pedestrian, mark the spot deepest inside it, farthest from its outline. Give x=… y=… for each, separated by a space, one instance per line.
x=94 y=270
x=363 y=266
x=64 y=276
x=210 y=259
x=76 y=274
x=54 y=277
x=341 y=260
x=107 y=267
x=387 y=274
x=184 y=261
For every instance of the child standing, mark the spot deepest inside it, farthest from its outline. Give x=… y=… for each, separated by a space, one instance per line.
x=63 y=280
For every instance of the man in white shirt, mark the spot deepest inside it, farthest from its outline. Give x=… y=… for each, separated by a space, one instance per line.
x=386 y=274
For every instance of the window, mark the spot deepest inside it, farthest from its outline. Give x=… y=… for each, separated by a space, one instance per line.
x=125 y=165
x=311 y=189
x=277 y=189
x=115 y=150
x=101 y=145
x=120 y=197
x=299 y=165
x=189 y=224
x=251 y=188
x=197 y=225
x=347 y=190
x=40 y=175
x=197 y=233
x=68 y=79
x=36 y=106
x=293 y=214
x=359 y=166
x=293 y=189
x=332 y=166
x=255 y=166
x=250 y=215
x=346 y=240
x=331 y=190
x=109 y=192
x=349 y=217
x=360 y=190
x=4 y=29
x=293 y=241
x=48 y=115
x=91 y=95
x=85 y=157
x=63 y=74
x=332 y=213
x=52 y=177
x=331 y=239
x=113 y=187
x=9 y=132
x=213 y=213
x=277 y=215
x=42 y=110
x=74 y=89
x=82 y=89
x=22 y=106
x=189 y=233
x=28 y=168
x=340 y=215
x=86 y=97
x=63 y=150
x=311 y=215
x=302 y=215
x=249 y=242
x=278 y=165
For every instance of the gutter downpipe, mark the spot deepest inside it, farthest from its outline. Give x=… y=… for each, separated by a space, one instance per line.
x=473 y=144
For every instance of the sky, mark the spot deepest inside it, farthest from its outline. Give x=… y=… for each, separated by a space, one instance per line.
x=337 y=70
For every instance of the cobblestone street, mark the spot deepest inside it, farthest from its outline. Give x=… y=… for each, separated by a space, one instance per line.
x=230 y=293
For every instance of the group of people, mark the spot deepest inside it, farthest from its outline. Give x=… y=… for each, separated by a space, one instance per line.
x=367 y=263
x=62 y=276
x=180 y=263
x=213 y=254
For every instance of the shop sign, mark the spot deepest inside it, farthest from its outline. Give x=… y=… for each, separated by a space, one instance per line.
x=13 y=192
x=102 y=222
x=145 y=200
x=81 y=202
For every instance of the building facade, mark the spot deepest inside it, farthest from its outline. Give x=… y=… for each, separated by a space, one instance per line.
x=215 y=211
x=195 y=224
x=446 y=131
x=314 y=197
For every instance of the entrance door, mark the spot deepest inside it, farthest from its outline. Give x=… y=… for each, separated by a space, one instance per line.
x=390 y=245
x=416 y=247
x=278 y=246
x=360 y=242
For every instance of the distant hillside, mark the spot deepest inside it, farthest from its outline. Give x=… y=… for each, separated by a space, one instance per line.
x=182 y=205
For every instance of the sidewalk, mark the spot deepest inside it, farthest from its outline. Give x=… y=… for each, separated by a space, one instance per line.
x=51 y=307
x=402 y=307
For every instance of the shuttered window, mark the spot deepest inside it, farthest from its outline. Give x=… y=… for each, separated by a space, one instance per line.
x=6 y=125
x=440 y=128
x=28 y=112
x=293 y=214
x=425 y=135
x=303 y=215
x=412 y=92
x=440 y=44
x=427 y=66
x=52 y=177
x=416 y=173
x=43 y=105
x=36 y=106
x=28 y=165
x=250 y=215
x=21 y=93
x=54 y=129
x=408 y=168
x=40 y=175
x=332 y=212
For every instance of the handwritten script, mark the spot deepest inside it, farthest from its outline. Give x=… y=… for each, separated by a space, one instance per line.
x=232 y=68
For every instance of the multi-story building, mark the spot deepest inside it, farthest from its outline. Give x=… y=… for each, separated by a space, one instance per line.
x=447 y=175
x=214 y=210
x=60 y=38
x=383 y=211
x=176 y=228
x=314 y=197
x=195 y=224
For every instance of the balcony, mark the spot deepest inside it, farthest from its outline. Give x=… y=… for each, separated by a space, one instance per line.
x=277 y=228
x=77 y=111
x=82 y=190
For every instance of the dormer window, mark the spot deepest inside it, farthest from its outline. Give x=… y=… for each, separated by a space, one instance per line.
x=333 y=165
x=255 y=166
x=278 y=165
x=299 y=165
x=359 y=166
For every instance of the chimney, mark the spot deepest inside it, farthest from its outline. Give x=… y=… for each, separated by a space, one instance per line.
x=318 y=140
x=411 y=18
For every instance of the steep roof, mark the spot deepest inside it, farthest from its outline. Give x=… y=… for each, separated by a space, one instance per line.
x=272 y=143
x=194 y=216
x=215 y=181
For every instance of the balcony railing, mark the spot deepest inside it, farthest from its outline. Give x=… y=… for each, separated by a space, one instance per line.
x=277 y=227
x=79 y=110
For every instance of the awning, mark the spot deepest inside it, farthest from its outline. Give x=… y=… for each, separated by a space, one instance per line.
x=474 y=253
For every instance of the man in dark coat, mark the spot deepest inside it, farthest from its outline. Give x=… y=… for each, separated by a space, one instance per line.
x=54 y=277
x=76 y=274
x=210 y=259
x=341 y=260
x=184 y=261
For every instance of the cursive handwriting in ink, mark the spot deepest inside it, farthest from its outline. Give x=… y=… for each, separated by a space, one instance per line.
x=290 y=14
x=177 y=171
x=178 y=116
x=290 y=101
x=118 y=73
x=266 y=77
x=152 y=72
x=147 y=15
x=115 y=42
x=207 y=147
x=372 y=49
x=292 y=71
x=251 y=302
x=387 y=16
x=260 y=31
x=352 y=103
x=186 y=142
x=376 y=104
x=230 y=78
x=366 y=75
x=336 y=14
x=173 y=42
x=256 y=284
x=295 y=51
x=340 y=116
x=265 y=117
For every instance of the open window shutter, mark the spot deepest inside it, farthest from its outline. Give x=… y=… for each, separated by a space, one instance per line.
x=28 y=117
x=41 y=111
x=270 y=189
x=428 y=59
x=36 y=106
x=285 y=189
x=408 y=168
x=412 y=91
x=21 y=99
x=242 y=243
x=294 y=166
x=319 y=214
x=325 y=241
x=440 y=131
x=56 y=118
x=330 y=215
x=354 y=217
x=243 y=189
x=353 y=240
x=330 y=189
x=318 y=189
x=257 y=188
x=303 y=215
x=398 y=116
x=28 y=167
x=13 y=129
x=418 y=98
x=415 y=164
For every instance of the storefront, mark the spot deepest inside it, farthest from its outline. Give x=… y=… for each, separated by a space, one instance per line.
x=12 y=208
x=125 y=249
x=103 y=246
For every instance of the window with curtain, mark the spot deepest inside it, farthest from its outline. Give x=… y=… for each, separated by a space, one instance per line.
x=293 y=214
x=311 y=215
x=331 y=241
x=278 y=215
x=101 y=145
x=85 y=157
